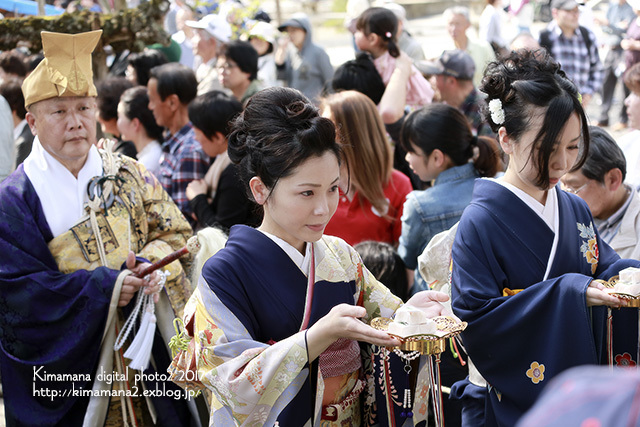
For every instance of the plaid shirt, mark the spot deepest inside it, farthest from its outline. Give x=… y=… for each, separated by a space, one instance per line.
x=582 y=65
x=182 y=161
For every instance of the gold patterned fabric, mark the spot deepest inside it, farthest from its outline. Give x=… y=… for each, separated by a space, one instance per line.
x=143 y=219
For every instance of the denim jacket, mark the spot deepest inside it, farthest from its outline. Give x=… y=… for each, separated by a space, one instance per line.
x=427 y=213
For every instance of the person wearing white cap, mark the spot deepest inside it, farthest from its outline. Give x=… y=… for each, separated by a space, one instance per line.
x=262 y=37
x=211 y=32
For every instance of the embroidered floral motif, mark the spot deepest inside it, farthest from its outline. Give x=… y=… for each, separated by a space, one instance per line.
x=536 y=372
x=589 y=247
x=624 y=360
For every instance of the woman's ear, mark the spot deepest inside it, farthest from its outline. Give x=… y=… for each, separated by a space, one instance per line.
x=437 y=157
x=259 y=190
x=136 y=123
x=505 y=140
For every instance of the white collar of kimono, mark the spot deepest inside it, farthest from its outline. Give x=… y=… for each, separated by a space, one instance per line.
x=548 y=212
x=62 y=195
x=302 y=262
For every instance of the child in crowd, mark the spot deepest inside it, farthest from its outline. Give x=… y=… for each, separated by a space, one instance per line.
x=137 y=124
x=376 y=30
x=218 y=200
x=371 y=205
x=526 y=255
x=441 y=148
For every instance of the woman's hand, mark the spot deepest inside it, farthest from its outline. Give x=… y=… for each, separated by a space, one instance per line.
x=343 y=321
x=132 y=284
x=430 y=302
x=195 y=188
x=596 y=295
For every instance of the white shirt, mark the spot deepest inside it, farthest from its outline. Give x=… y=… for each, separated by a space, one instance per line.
x=630 y=146
x=17 y=131
x=150 y=156
x=7 y=141
x=61 y=194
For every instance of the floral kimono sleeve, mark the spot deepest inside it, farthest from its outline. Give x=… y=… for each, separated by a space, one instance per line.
x=250 y=382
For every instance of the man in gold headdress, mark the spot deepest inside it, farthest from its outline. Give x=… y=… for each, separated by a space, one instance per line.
x=75 y=223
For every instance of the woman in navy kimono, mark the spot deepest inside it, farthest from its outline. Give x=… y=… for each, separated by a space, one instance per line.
x=278 y=313
x=526 y=253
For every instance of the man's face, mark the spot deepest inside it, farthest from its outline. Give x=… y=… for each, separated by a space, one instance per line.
x=446 y=86
x=457 y=26
x=204 y=45
x=66 y=127
x=633 y=109
x=595 y=193
x=567 y=19
x=162 y=111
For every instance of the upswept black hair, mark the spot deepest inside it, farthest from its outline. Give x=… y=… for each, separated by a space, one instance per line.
x=109 y=92
x=278 y=130
x=136 y=106
x=213 y=112
x=144 y=61
x=443 y=127
x=525 y=80
x=383 y=22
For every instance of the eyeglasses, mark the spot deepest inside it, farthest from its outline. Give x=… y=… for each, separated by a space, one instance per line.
x=571 y=190
x=227 y=66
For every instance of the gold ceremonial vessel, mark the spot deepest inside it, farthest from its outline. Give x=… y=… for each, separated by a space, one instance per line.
x=425 y=344
x=632 y=301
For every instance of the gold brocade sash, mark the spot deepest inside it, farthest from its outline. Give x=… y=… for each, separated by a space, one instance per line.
x=506 y=292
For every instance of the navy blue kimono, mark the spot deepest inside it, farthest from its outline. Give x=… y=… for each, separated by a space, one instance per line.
x=520 y=341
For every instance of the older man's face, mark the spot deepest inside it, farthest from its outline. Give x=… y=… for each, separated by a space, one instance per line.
x=591 y=191
x=66 y=127
x=457 y=26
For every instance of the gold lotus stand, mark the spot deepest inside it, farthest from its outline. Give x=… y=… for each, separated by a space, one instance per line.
x=632 y=301
x=431 y=346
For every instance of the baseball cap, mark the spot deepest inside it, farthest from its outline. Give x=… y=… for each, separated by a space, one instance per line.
x=454 y=63
x=564 y=4
x=295 y=21
x=216 y=25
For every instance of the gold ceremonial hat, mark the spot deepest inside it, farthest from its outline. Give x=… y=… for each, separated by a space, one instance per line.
x=66 y=67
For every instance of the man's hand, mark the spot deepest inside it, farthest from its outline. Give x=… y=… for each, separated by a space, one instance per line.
x=131 y=283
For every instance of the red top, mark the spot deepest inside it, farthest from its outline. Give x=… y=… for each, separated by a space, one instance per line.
x=356 y=222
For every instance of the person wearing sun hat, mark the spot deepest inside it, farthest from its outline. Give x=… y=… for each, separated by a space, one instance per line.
x=76 y=223
x=211 y=33
x=262 y=37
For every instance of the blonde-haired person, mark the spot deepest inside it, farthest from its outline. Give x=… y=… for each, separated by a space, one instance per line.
x=372 y=205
